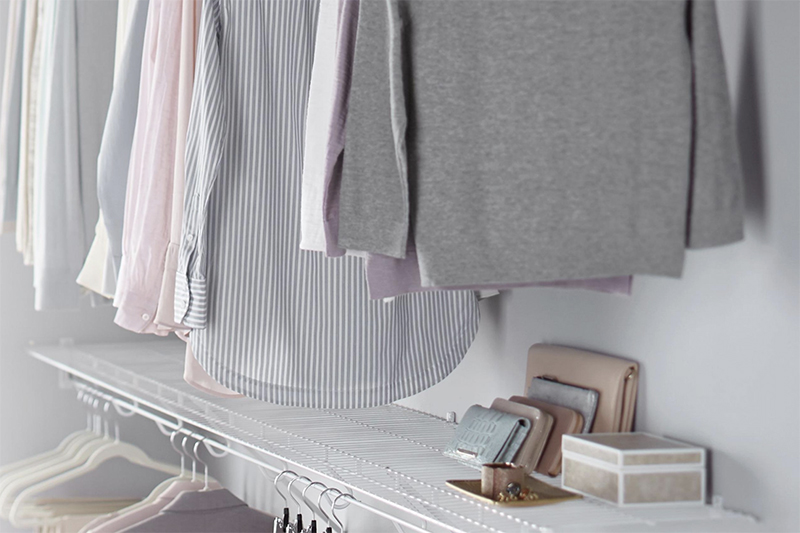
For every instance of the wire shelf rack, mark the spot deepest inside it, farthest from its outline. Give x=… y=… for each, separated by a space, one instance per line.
x=389 y=455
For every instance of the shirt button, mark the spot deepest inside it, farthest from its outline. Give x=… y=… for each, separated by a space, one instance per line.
x=190 y=237
x=145 y=317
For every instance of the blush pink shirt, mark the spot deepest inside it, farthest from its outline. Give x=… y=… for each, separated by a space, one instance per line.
x=148 y=200
x=190 y=24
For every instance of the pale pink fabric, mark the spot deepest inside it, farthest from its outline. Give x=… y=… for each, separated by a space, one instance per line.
x=196 y=376
x=190 y=23
x=148 y=201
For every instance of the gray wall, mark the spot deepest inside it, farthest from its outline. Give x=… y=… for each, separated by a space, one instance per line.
x=719 y=349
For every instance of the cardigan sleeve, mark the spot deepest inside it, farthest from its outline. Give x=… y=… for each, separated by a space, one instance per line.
x=715 y=211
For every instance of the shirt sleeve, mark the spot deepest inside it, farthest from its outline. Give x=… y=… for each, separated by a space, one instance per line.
x=206 y=137
x=114 y=155
x=59 y=242
x=716 y=212
x=10 y=112
x=374 y=194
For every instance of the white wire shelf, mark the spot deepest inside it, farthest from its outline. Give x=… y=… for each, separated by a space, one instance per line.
x=388 y=455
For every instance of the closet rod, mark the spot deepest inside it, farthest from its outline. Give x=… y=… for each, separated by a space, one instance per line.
x=180 y=426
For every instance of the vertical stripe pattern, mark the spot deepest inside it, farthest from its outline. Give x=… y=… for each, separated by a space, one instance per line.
x=275 y=322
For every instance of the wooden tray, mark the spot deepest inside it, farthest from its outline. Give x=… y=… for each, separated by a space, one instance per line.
x=548 y=494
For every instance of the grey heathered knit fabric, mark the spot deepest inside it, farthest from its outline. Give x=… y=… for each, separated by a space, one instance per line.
x=546 y=140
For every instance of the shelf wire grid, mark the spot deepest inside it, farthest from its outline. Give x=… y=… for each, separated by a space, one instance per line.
x=391 y=454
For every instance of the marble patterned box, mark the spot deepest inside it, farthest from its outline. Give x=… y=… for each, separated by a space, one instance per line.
x=634 y=469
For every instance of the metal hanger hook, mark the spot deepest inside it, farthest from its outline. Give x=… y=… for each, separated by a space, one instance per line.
x=314 y=511
x=277 y=487
x=291 y=494
x=319 y=502
x=333 y=510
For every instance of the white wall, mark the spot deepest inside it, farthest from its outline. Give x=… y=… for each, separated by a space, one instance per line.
x=719 y=349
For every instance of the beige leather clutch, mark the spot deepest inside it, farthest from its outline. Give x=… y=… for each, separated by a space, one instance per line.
x=615 y=379
x=541 y=424
x=565 y=422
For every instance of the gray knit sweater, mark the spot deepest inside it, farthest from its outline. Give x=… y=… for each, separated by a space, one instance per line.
x=545 y=139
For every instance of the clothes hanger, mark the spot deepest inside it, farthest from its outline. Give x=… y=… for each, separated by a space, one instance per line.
x=205 y=465
x=173 y=486
x=107 y=451
x=298 y=524
x=75 y=454
x=314 y=511
x=322 y=511
x=159 y=497
x=67 y=446
x=10 y=469
x=282 y=525
x=109 y=520
x=333 y=511
x=70 y=516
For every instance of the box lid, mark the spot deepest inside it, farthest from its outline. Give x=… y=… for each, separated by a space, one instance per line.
x=634 y=449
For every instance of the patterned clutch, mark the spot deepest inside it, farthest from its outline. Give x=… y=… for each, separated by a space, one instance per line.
x=487 y=436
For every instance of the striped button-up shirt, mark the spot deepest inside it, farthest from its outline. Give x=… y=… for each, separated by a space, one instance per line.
x=275 y=322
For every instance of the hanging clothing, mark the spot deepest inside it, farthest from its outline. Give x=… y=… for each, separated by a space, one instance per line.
x=27 y=131
x=96 y=267
x=272 y=321
x=98 y=274
x=345 y=50
x=148 y=199
x=386 y=276
x=542 y=140
x=190 y=24
x=115 y=148
x=318 y=124
x=212 y=511
x=6 y=12
x=75 y=86
x=10 y=108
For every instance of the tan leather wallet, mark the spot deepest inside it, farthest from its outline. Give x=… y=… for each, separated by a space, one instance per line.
x=565 y=422
x=615 y=379
x=541 y=424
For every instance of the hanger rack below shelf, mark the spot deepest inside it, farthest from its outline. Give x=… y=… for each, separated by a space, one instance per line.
x=389 y=457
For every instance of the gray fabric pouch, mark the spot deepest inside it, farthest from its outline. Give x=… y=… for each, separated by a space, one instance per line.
x=577 y=398
x=487 y=436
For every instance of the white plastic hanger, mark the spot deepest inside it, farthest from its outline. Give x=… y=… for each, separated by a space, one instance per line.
x=9 y=472
x=66 y=448
x=111 y=521
x=111 y=450
x=162 y=495
x=77 y=452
